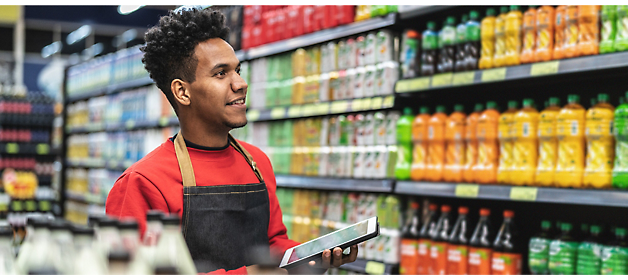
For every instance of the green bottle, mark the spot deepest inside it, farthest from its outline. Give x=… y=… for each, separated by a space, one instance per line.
x=538 y=257
x=562 y=252
x=404 y=145
x=589 y=253
x=621 y=37
x=620 y=170
x=461 y=40
x=609 y=28
x=615 y=255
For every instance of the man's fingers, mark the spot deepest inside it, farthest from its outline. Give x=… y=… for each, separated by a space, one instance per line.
x=353 y=255
x=337 y=257
x=326 y=259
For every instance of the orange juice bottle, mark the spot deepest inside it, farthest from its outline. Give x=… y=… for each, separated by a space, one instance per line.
x=436 y=145
x=506 y=142
x=570 y=46
x=419 y=143
x=454 y=141
x=548 y=144
x=570 y=133
x=513 y=36
x=485 y=170
x=600 y=144
x=500 y=38
x=588 y=39
x=529 y=35
x=487 y=31
x=526 y=144
x=471 y=143
x=559 y=32
x=544 y=34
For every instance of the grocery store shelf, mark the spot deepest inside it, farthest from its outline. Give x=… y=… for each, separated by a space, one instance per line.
x=12 y=148
x=526 y=71
x=99 y=163
x=615 y=198
x=110 y=89
x=26 y=120
x=84 y=198
x=420 y=10
x=322 y=108
x=322 y=36
x=128 y=125
x=241 y=55
x=335 y=184
x=369 y=267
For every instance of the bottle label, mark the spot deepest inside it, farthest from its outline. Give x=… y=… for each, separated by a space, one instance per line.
x=479 y=261
x=538 y=257
x=506 y=264
x=473 y=32
x=409 y=257
x=562 y=257
x=439 y=258
x=425 y=261
x=457 y=260
x=430 y=42
x=614 y=260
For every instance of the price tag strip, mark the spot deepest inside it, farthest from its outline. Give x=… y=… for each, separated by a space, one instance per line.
x=491 y=75
x=524 y=193
x=467 y=190
x=375 y=268
x=252 y=115
x=544 y=68
x=463 y=78
x=441 y=80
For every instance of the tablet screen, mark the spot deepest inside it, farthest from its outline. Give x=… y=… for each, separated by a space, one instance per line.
x=329 y=241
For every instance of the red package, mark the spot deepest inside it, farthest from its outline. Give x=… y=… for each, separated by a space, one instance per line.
x=319 y=17
x=345 y=14
x=308 y=19
x=280 y=25
x=256 y=36
x=268 y=27
x=329 y=17
x=246 y=37
x=295 y=21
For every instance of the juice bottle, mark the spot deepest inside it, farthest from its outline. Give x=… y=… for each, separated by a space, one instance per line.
x=500 y=38
x=598 y=172
x=620 y=128
x=404 y=145
x=621 y=39
x=429 y=50
x=471 y=143
x=615 y=255
x=506 y=143
x=480 y=245
x=409 y=242
x=609 y=28
x=559 y=32
x=548 y=144
x=485 y=170
x=570 y=132
x=589 y=253
x=544 y=34
x=458 y=250
x=513 y=36
x=461 y=40
x=473 y=45
x=419 y=142
x=563 y=252
x=454 y=140
x=438 y=249
x=425 y=243
x=409 y=51
x=589 y=30
x=538 y=256
x=570 y=47
x=487 y=30
x=525 y=148
x=529 y=35
x=436 y=145
x=447 y=50
x=506 y=257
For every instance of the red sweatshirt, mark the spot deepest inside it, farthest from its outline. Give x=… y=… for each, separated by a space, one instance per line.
x=155 y=182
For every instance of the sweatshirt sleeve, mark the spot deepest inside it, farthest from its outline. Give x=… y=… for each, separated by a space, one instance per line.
x=238 y=271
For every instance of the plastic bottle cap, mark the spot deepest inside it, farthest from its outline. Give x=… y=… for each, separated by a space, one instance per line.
x=93 y=220
x=154 y=215
x=566 y=226
x=445 y=208
x=503 y=9
x=474 y=15
x=119 y=255
x=627 y=95
x=554 y=101
x=433 y=207
x=424 y=110
x=171 y=220
x=6 y=231
x=491 y=105
x=573 y=98
x=108 y=222
x=528 y=102
x=485 y=212
x=41 y=223
x=490 y=12
x=478 y=107
x=622 y=100
x=128 y=224
x=546 y=224
x=595 y=229
x=414 y=205
x=602 y=97
x=432 y=25
x=533 y=6
x=463 y=210
x=508 y=214
x=620 y=231
x=593 y=102
x=458 y=108
x=451 y=20
x=514 y=7
x=59 y=225
x=464 y=19
x=407 y=111
x=512 y=104
x=78 y=230
x=440 y=109
x=412 y=34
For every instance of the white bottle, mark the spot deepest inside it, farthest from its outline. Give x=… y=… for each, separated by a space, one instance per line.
x=108 y=235
x=129 y=236
x=87 y=259
x=172 y=249
x=63 y=248
x=7 y=260
x=40 y=257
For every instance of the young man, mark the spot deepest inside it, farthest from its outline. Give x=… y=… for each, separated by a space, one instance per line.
x=223 y=189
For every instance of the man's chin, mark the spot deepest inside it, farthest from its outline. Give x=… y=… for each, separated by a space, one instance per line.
x=235 y=125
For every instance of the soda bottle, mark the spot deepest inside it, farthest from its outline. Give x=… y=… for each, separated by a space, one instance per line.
x=589 y=30
x=408 y=56
x=471 y=143
x=488 y=40
x=529 y=35
x=544 y=33
x=615 y=255
x=620 y=170
x=506 y=257
x=438 y=248
x=513 y=36
x=480 y=245
x=457 y=250
x=461 y=40
x=569 y=124
x=404 y=145
x=506 y=141
x=559 y=32
x=447 y=50
x=429 y=50
x=425 y=241
x=419 y=141
x=454 y=137
x=409 y=242
x=538 y=255
x=562 y=252
x=609 y=28
x=598 y=172
x=589 y=253
x=548 y=144
x=500 y=38
x=525 y=146
x=485 y=170
x=473 y=45
x=621 y=39
x=570 y=47
x=436 y=145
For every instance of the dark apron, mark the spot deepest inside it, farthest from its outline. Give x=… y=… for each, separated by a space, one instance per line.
x=224 y=226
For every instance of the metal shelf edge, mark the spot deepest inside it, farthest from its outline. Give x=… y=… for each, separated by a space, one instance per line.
x=339 y=184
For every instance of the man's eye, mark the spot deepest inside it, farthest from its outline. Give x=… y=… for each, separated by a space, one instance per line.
x=220 y=73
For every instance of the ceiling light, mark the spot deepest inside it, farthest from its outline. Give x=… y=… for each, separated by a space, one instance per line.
x=127 y=9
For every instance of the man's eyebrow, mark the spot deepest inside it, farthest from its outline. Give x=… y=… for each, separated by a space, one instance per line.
x=224 y=65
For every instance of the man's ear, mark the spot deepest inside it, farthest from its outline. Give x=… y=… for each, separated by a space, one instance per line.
x=180 y=91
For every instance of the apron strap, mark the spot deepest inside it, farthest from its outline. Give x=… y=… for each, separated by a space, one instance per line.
x=236 y=145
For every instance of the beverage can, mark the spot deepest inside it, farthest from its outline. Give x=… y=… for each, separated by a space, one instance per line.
x=369 y=81
x=384 y=46
x=370 y=49
x=350 y=83
x=359 y=82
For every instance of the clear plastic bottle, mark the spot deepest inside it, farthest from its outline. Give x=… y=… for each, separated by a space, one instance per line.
x=87 y=259
x=570 y=124
x=598 y=172
x=488 y=40
x=500 y=38
x=41 y=257
x=506 y=143
x=548 y=144
x=61 y=234
x=172 y=249
x=108 y=235
x=7 y=260
x=461 y=40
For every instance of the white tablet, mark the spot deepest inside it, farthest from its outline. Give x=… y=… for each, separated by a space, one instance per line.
x=342 y=238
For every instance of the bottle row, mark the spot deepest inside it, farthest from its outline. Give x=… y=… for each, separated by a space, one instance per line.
x=19 y=184
x=95 y=182
x=32 y=104
x=24 y=135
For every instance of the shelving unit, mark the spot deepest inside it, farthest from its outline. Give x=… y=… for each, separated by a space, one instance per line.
x=124 y=126
x=12 y=148
x=333 y=184
x=371 y=267
x=110 y=89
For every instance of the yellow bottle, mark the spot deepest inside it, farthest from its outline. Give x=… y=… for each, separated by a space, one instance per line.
x=500 y=38
x=525 y=146
x=506 y=136
x=600 y=144
x=514 y=20
x=548 y=144
x=570 y=132
x=487 y=31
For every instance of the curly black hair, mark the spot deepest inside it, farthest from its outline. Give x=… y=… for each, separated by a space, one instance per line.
x=169 y=49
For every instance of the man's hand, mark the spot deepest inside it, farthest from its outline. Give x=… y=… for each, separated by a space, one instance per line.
x=338 y=258
x=263 y=270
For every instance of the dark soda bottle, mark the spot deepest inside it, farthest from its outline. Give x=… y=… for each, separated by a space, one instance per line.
x=480 y=245
x=440 y=236
x=562 y=254
x=457 y=250
x=409 y=242
x=507 y=258
x=538 y=256
x=425 y=241
x=473 y=43
x=429 y=52
x=461 y=40
x=448 y=46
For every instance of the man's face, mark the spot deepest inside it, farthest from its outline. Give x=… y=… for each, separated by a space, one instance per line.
x=218 y=93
